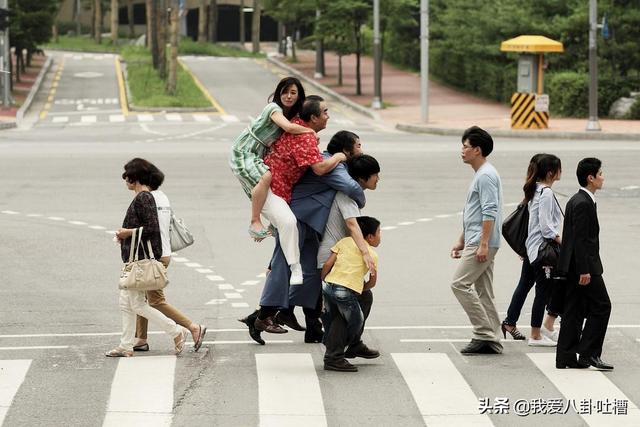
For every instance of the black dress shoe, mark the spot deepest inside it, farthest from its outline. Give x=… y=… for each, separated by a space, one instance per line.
x=361 y=351
x=570 y=364
x=340 y=366
x=479 y=347
x=253 y=332
x=596 y=362
x=289 y=319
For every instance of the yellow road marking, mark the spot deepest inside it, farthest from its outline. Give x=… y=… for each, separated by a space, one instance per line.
x=52 y=92
x=203 y=90
x=124 y=104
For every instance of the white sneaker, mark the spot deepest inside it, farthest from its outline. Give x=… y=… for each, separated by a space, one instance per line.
x=542 y=342
x=296 y=274
x=552 y=335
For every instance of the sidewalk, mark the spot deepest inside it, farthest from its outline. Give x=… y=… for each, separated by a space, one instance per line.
x=22 y=91
x=450 y=111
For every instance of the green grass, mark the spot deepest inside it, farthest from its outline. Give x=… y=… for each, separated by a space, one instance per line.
x=147 y=89
x=82 y=44
x=189 y=47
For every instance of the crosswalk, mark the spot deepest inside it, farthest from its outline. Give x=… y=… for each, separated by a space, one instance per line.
x=292 y=389
x=160 y=118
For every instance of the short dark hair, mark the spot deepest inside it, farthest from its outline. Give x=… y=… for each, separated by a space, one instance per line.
x=277 y=94
x=479 y=138
x=368 y=224
x=342 y=140
x=586 y=167
x=311 y=107
x=143 y=172
x=362 y=166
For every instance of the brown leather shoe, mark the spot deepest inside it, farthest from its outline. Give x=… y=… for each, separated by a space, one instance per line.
x=288 y=319
x=267 y=325
x=340 y=366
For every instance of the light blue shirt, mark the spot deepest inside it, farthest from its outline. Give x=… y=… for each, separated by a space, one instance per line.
x=484 y=203
x=545 y=219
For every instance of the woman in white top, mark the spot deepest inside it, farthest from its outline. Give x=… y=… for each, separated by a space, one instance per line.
x=545 y=220
x=157 y=299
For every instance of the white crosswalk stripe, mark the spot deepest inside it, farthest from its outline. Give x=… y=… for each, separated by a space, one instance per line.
x=443 y=396
x=145 y=117
x=88 y=119
x=293 y=379
x=229 y=118
x=173 y=117
x=12 y=374
x=147 y=377
x=60 y=119
x=116 y=118
x=201 y=118
x=576 y=384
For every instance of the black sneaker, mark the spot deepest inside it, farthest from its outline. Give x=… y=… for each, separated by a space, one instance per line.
x=361 y=351
x=480 y=347
x=340 y=366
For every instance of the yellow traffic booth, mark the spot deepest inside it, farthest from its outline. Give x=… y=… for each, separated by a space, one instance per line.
x=529 y=105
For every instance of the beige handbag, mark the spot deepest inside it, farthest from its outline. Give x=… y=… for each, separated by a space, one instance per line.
x=145 y=274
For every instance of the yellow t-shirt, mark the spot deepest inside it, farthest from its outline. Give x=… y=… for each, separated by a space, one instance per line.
x=349 y=269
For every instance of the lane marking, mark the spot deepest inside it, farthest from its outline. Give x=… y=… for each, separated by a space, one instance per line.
x=201 y=118
x=225 y=286
x=250 y=282
x=151 y=377
x=146 y=118
x=409 y=340
x=12 y=375
x=116 y=118
x=407 y=223
x=389 y=227
x=124 y=103
x=218 y=342
x=204 y=270
x=239 y=305
x=229 y=118
x=173 y=117
x=232 y=295
x=88 y=119
x=77 y=222
x=193 y=264
x=55 y=218
x=36 y=347
x=203 y=89
x=179 y=259
x=60 y=119
x=11 y=213
x=216 y=301
x=97 y=227
x=293 y=378
x=578 y=384
x=215 y=278
x=442 y=395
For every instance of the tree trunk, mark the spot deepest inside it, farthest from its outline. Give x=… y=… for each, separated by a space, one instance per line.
x=147 y=16
x=98 y=24
x=213 y=21
x=294 y=57
x=114 y=22
x=93 y=19
x=54 y=32
x=76 y=16
x=152 y=22
x=281 y=47
x=130 y=18
x=162 y=38
x=242 y=30
x=358 y=53
x=173 y=58
x=339 y=70
x=202 y=22
x=255 y=26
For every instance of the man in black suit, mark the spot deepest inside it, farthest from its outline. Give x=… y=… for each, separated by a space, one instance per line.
x=587 y=295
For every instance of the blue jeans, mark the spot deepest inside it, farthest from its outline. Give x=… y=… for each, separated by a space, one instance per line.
x=343 y=303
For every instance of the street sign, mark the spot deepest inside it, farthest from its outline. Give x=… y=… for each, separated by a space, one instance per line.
x=542 y=103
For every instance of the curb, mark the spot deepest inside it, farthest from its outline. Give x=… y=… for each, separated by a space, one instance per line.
x=531 y=134
x=34 y=90
x=9 y=124
x=333 y=94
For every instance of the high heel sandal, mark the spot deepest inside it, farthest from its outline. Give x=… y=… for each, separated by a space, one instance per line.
x=515 y=333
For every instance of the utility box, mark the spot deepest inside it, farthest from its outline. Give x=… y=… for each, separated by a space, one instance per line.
x=530 y=105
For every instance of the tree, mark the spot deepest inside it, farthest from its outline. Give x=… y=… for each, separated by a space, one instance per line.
x=293 y=14
x=173 y=56
x=202 y=22
x=161 y=37
x=130 y=18
x=98 y=21
x=213 y=21
x=114 y=22
x=255 y=26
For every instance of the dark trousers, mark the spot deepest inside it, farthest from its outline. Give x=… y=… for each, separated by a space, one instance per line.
x=336 y=334
x=526 y=282
x=591 y=302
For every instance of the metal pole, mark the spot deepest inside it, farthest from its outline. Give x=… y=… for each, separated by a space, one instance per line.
x=593 y=124
x=319 y=73
x=5 y=58
x=424 y=60
x=377 y=57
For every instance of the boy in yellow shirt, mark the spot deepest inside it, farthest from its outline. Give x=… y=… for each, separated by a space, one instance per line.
x=345 y=276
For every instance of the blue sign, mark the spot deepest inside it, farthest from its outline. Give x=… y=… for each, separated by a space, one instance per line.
x=605 y=27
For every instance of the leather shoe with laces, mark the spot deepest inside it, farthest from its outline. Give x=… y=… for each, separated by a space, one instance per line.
x=479 y=347
x=267 y=325
x=340 y=366
x=289 y=319
x=596 y=362
x=361 y=351
x=570 y=364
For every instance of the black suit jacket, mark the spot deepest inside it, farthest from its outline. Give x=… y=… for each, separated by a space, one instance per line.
x=580 y=253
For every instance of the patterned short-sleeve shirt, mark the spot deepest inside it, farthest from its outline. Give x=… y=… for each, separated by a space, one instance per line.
x=289 y=158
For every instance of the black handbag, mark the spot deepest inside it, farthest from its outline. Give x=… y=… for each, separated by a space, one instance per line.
x=548 y=253
x=515 y=229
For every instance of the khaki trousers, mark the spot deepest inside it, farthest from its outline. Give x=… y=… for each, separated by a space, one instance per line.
x=473 y=287
x=156 y=299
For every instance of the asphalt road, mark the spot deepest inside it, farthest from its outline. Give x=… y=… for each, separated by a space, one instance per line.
x=61 y=193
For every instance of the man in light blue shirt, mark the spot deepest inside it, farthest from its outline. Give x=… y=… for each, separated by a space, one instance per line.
x=478 y=244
